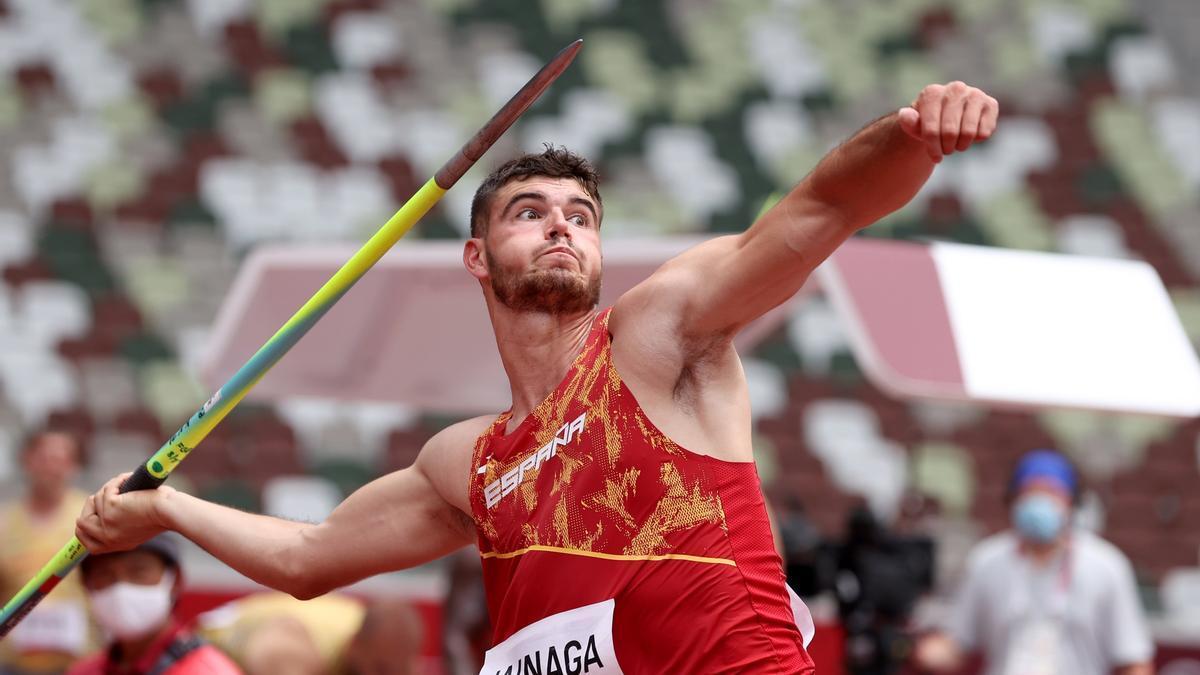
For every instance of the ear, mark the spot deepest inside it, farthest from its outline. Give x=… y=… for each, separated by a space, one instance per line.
x=474 y=258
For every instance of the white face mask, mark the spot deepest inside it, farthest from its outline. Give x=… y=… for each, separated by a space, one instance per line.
x=130 y=611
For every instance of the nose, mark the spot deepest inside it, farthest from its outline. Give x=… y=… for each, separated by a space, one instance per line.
x=557 y=225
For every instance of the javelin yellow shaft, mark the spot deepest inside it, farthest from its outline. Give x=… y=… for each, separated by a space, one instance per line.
x=192 y=432
x=163 y=462
x=154 y=471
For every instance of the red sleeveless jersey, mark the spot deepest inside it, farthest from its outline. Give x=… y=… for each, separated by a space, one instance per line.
x=608 y=548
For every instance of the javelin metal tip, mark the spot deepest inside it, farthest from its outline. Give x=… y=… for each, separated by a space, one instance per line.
x=29 y=596
x=569 y=51
x=483 y=139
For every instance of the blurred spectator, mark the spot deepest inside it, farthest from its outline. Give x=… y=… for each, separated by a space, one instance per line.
x=1045 y=598
x=132 y=594
x=800 y=547
x=33 y=529
x=276 y=634
x=466 y=627
x=880 y=575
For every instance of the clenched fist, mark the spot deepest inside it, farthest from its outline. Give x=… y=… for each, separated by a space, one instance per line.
x=111 y=521
x=949 y=118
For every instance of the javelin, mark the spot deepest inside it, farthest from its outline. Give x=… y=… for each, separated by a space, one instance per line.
x=156 y=469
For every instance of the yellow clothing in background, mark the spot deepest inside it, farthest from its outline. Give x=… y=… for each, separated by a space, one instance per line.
x=331 y=622
x=58 y=631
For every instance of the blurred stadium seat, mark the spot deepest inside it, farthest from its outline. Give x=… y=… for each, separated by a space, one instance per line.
x=147 y=146
x=307 y=499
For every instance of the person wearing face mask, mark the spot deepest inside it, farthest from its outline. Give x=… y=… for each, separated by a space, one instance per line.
x=1045 y=598
x=132 y=595
x=32 y=528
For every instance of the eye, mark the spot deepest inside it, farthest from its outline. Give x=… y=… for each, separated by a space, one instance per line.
x=527 y=214
x=579 y=219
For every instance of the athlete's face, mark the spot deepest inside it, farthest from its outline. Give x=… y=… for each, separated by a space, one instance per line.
x=541 y=252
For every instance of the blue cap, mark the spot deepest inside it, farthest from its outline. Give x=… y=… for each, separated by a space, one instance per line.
x=1044 y=466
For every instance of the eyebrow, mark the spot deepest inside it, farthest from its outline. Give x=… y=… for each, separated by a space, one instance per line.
x=542 y=197
x=588 y=203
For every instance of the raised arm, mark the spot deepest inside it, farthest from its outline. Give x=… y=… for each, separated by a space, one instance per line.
x=720 y=286
x=397 y=521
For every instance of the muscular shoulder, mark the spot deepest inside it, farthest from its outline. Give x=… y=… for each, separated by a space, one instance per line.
x=446 y=458
x=661 y=300
x=691 y=385
x=455 y=441
x=648 y=321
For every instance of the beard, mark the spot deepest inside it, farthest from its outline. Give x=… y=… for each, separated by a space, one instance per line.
x=555 y=291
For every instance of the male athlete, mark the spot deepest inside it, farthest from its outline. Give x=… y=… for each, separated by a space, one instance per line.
x=615 y=505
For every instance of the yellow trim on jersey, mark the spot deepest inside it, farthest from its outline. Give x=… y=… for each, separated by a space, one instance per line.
x=610 y=556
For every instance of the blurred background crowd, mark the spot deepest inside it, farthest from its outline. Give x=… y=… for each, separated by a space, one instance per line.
x=146 y=146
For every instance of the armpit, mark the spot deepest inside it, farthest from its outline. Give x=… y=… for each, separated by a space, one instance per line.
x=703 y=362
x=460 y=522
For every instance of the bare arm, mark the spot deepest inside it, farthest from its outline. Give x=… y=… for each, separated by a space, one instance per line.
x=397 y=521
x=720 y=286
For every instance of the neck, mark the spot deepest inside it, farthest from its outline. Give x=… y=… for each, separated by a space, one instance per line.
x=537 y=350
x=44 y=502
x=130 y=652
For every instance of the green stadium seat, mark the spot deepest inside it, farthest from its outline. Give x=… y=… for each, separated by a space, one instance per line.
x=112 y=184
x=277 y=17
x=157 y=285
x=240 y=83
x=188 y=116
x=233 y=493
x=911 y=72
x=1014 y=58
x=145 y=348
x=1128 y=140
x=844 y=369
x=616 y=61
x=1187 y=304
x=118 y=21
x=170 y=393
x=282 y=96
x=11 y=107
x=191 y=212
x=945 y=471
x=307 y=47
x=779 y=352
x=348 y=475
x=1016 y=221
x=766 y=458
x=1098 y=186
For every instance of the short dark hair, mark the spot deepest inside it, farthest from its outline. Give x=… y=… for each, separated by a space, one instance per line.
x=164 y=546
x=33 y=439
x=553 y=162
